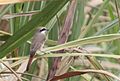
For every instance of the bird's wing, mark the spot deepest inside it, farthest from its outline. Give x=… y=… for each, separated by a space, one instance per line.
x=37 y=42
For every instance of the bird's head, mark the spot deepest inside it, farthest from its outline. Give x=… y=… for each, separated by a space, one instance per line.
x=42 y=30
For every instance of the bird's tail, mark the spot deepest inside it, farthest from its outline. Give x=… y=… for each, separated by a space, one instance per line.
x=32 y=53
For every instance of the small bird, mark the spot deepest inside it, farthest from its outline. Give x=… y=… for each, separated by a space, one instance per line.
x=37 y=43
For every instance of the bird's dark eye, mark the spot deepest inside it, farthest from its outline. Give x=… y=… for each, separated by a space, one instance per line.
x=43 y=29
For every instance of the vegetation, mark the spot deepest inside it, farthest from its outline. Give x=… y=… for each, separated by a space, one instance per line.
x=82 y=43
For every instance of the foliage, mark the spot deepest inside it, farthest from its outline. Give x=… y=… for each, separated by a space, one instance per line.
x=93 y=41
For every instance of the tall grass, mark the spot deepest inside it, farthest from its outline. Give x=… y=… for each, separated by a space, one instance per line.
x=91 y=50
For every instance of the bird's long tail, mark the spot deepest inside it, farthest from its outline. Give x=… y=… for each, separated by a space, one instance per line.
x=32 y=54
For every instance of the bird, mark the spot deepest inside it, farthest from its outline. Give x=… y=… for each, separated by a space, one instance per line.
x=37 y=43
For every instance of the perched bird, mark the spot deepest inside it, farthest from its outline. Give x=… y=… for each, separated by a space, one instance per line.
x=37 y=43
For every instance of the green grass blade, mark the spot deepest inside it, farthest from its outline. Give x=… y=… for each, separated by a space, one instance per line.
x=95 y=18
x=40 y=19
x=88 y=40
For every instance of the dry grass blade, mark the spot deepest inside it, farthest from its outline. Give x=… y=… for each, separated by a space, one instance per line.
x=42 y=69
x=13 y=65
x=64 y=65
x=64 y=34
x=117 y=9
x=3 y=2
x=14 y=15
x=11 y=70
x=15 y=58
x=80 y=72
x=28 y=74
x=20 y=69
x=4 y=33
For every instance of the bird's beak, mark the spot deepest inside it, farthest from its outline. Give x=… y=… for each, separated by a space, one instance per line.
x=47 y=29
